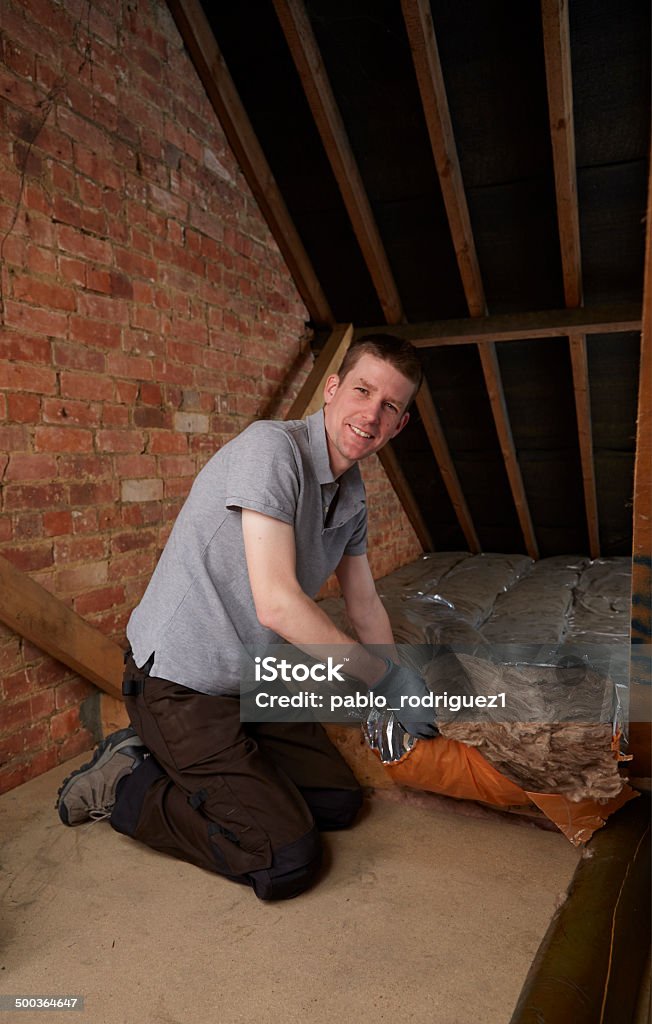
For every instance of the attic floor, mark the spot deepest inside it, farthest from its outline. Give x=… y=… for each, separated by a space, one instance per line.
x=426 y=915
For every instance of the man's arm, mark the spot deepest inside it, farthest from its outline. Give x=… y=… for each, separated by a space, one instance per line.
x=282 y=606
x=363 y=605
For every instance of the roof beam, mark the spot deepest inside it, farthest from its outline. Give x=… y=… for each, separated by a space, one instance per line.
x=311 y=398
x=314 y=78
x=425 y=54
x=213 y=72
x=556 y=41
x=641 y=627
x=548 y=323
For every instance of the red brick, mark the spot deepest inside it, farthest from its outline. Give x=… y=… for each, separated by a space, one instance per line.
x=64 y=723
x=28 y=526
x=129 y=366
x=115 y=416
x=100 y=169
x=14 y=438
x=23 y=408
x=56 y=523
x=40 y=293
x=99 y=600
x=74 y=745
x=86 y=521
x=63 y=439
x=99 y=333
x=80 y=549
x=168 y=444
x=120 y=440
x=30 y=558
x=74 y=691
x=82 y=467
x=22 y=377
x=56 y=410
x=126 y=391
x=83 y=245
x=92 y=494
x=85 y=385
x=25 y=348
x=35 y=496
x=82 y=577
x=135 y=465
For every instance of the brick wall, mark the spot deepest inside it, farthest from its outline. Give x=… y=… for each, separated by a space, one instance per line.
x=146 y=317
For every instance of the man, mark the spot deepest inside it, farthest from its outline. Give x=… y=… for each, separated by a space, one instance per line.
x=268 y=519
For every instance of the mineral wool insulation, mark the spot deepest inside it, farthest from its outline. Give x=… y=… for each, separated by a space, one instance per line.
x=552 y=635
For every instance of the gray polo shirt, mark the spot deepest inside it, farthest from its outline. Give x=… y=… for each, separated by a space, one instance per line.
x=197 y=615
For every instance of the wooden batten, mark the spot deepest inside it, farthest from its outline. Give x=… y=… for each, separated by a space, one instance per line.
x=314 y=78
x=556 y=39
x=32 y=612
x=213 y=72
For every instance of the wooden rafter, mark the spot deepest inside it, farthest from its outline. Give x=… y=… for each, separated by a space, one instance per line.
x=310 y=398
x=556 y=40
x=213 y=72
x=423 y=43
x=548 y=323
x=314 y=78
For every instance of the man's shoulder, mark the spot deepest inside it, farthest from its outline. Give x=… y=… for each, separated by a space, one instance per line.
x=271 y=434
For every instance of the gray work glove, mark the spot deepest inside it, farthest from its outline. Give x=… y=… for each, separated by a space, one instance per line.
x=399 y=682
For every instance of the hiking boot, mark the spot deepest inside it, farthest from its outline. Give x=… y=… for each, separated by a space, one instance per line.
x=90 y=791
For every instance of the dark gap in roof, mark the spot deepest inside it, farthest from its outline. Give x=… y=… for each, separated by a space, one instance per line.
x=258 y=59
x=538 y=384
x=367 y=56
x=418 y=463
x=613 y=361
x=458 y=389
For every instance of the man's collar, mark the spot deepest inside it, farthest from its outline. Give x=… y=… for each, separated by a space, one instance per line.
x=319 y=447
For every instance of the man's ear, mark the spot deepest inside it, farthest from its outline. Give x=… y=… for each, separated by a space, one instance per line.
x=330 y=387
x=402 y=423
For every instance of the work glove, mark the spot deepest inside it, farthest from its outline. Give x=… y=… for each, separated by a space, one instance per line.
x=401 y=682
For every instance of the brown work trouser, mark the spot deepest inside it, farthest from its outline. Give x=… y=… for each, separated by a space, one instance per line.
x=243 y=799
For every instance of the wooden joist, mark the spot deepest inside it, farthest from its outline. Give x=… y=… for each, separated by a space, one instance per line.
x=213 y=72
x=31 y=611
x=556 y=39
x=548 y=323
x=423 y=43
x=314 y=78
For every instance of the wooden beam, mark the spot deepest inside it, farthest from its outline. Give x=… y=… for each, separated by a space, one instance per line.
x=31 y=611
x=311 y=398
x=425 y=55
x=585 y=435
x=497 y=399
x=213 y=72
x=396 y=477
x=549 y=323
x=434 y=430
x=640 y=738
x=556 y=40
x=556 y=44
x=314 y=78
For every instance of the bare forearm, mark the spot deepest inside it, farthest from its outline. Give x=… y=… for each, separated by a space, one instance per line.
x=301 y=622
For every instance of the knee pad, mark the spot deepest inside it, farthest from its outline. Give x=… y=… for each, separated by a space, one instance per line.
x=294 y=868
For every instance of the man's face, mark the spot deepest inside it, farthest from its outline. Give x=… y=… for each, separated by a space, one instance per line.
x=364 y=411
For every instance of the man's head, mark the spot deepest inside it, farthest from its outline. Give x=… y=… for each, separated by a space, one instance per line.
x=398 y=353
x=366 y=403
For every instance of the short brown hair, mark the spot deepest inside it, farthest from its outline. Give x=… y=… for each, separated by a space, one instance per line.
x=398 y=353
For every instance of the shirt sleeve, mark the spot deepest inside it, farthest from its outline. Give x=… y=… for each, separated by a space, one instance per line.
x=357 y=545
x=264 y=473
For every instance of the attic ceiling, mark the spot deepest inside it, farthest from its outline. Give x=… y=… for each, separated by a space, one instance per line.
x=422 y=163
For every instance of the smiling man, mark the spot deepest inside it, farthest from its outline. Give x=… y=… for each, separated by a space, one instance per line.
x=267 y=521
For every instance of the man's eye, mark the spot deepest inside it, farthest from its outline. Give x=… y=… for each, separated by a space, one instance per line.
x=362 y=390
x=391 y=407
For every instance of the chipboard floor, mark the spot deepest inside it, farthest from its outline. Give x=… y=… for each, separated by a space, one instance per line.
x=422 y=915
